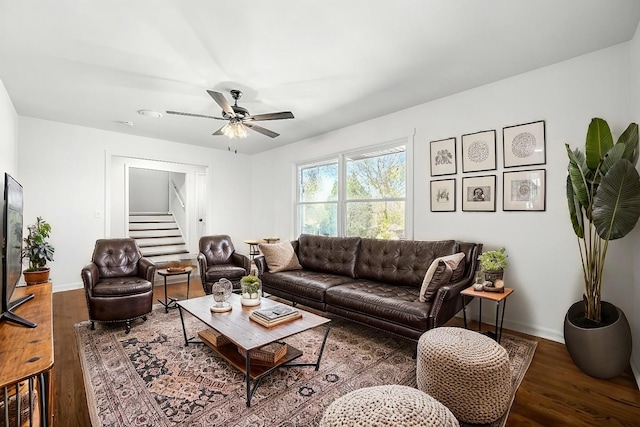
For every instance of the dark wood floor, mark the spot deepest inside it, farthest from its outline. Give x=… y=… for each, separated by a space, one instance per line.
x=553 y=393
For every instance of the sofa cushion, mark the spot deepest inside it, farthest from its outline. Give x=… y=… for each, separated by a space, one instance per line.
x=401 y=262
x=439 y=273
x=303 y=283
x=396 y=304
x=279 y=256
x=336 y=255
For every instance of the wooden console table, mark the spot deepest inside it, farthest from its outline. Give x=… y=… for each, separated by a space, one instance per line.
x=26 y=355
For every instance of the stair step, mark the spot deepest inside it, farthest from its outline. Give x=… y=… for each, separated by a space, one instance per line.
x=161 y=260
x=151 y=218
x=163 y=250
x=140 y=234
x=171 y=225
x=145 y=242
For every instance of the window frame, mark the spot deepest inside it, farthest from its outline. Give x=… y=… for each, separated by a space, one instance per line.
x=341 y=159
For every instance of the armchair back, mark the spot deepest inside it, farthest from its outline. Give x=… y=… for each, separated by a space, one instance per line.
x=116 y=257
x=216 y=249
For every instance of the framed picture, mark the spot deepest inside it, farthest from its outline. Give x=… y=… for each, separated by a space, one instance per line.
x=479 y=194
x=524 y=190
x=524 y=145
x=479 y=151
x=443 y=157
x=443 y=195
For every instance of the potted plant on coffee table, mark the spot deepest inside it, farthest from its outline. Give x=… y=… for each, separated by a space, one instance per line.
x=603 y=194
x=250 y=288
x=38 y=251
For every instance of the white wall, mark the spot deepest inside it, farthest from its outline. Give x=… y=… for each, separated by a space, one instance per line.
x=544 y=263
x=63 y=171
x=8 y=136
x=148 y=190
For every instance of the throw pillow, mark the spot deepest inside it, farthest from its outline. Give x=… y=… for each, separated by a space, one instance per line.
x=280 y=256
x=438 y=274
x=458 y=272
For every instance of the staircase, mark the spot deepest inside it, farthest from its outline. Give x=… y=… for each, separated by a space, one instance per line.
x=158 y=237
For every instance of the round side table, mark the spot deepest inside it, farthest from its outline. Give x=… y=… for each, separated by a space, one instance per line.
x=170 y=302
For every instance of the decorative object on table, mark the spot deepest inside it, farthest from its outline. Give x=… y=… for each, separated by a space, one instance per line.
x=273 y=316
x=213 y=337
x=524 y=190
x=268 y=354
x=603 y=194
x=479 y=151
x=443 y=195
x=479 y=194
x=493 y=264
x=443 y=157
x=38 y=251
x=221 y=291
x=250 y=288
x=524 y=145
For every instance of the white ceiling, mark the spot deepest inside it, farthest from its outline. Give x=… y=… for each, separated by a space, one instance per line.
x=331 y=62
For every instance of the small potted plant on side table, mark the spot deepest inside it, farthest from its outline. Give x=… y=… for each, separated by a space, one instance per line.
x=250 y=287
x=38 y=251
x=493 y=264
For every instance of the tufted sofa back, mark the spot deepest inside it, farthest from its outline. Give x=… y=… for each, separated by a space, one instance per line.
x=336 y=255
x=402 y=262
x=116 y=257
x=217 y=249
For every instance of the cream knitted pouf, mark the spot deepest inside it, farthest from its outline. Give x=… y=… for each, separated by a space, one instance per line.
x=466 y=371
x=387 y=405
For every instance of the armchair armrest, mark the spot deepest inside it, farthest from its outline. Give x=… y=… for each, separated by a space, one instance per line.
x=146 y=269
x=202 y=263
x=261 y=264
x=241 y=261
x=89 y=276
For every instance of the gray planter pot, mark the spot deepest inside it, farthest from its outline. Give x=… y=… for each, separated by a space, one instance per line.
x=601 y=352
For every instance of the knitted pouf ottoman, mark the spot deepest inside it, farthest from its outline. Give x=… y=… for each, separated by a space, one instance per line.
x=466 y=371
x=387 y=405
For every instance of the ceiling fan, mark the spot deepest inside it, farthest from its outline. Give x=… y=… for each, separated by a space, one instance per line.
x=239 y=118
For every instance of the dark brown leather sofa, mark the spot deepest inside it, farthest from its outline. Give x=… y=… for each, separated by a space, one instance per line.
x=371 y=281
x=118 y=282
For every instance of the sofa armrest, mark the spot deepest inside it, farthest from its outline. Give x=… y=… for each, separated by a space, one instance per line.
x=261 y=264
x=241 y=261
x=89 y=277
x=147 y=269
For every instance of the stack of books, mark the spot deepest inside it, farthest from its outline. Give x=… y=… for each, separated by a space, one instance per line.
x=273 y=316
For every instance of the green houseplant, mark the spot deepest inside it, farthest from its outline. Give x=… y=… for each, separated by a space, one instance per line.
x=603 y=195
x=250 y=287
x=38 y=251
x=493 y=264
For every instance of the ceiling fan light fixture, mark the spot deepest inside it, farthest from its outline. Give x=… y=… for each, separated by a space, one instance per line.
x=235 y=130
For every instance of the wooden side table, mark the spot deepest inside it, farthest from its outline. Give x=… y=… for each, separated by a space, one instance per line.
x=253 y=248
x=496 y=297
x=26 y=355
x=170 y=302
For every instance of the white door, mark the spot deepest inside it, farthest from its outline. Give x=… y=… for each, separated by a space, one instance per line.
x=201 y=202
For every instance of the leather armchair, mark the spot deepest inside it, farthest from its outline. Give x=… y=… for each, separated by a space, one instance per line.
x=218 y=259
x=118 y=282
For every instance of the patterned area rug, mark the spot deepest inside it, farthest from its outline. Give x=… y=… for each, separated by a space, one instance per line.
x=149 y=378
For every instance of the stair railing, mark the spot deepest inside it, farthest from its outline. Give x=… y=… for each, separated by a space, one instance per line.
x=175 y=190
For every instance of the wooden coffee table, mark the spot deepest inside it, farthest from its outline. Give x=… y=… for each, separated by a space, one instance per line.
x=248 y=335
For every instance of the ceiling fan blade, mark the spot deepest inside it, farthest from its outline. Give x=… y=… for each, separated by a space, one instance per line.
x=194 y=115
x=219 y=131
x=222 y=102
x=260 y=129
x=272 y=116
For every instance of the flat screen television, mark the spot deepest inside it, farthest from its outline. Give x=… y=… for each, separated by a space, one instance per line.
x=12 y=251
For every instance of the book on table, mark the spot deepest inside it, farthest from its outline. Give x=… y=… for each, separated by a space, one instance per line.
x=275 y=315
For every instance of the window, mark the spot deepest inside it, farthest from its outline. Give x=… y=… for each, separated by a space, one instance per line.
x=356 y=194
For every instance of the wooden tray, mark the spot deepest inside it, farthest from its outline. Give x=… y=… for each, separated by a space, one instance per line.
x=269 y=353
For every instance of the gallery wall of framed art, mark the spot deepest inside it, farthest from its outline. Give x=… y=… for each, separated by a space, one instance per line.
x=523 y=188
